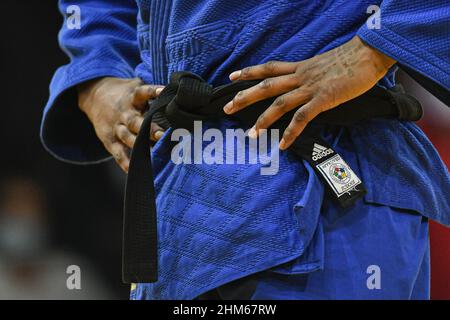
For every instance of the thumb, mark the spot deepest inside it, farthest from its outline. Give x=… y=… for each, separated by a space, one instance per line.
x=142 y=94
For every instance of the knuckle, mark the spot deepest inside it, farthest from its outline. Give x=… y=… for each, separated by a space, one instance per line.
x=280 y=103
x=327 y=91
x=125 y=117
x=300 y=79
x=124 y=135
x=300 y=116
x=151 y=90
x=129 y=121
x=266 y=84
x=270 y=66
x=296 y=79
x=116 y=130
x=136 y=91
x=327 y=97
x=121 y=131
x=321 y=101
x=133 y=124
x=130 y=140
x=303 y=69
x=246 y=72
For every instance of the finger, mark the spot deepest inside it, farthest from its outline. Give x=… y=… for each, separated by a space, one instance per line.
x=121 y=155
x=265 y=70
x=299 y=121
x=142 y=94
x=132 y=120
x=267 y=88
x=282 y=105
x=124 y=135
x=156 y=132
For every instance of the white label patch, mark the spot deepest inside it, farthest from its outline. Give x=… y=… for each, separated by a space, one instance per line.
x=338 y=175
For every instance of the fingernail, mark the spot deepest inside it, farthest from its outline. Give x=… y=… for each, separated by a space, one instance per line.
x=282 y=144
x=235 y=75
x=252 y=133
x=228 y=107
x=158 y=134
x=158 y=91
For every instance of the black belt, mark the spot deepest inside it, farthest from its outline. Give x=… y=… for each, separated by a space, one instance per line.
x=188 y=98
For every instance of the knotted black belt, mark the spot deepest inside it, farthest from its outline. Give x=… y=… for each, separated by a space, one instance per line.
x=188 y=98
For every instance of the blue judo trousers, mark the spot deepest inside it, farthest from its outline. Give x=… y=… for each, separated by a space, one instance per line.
x=221 y=223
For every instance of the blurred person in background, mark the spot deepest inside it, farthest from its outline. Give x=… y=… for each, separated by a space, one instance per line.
x=30 y=266
x=83 y=203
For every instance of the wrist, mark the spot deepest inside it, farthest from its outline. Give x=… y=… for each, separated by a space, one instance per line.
x=381 y=63
x=86 y=93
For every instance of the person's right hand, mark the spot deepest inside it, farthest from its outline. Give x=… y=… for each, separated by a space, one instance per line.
x=115 y=107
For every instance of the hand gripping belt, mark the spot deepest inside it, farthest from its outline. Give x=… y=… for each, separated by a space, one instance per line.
x=188 y=98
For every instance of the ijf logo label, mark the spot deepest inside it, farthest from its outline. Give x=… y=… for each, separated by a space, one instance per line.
x=338 y=175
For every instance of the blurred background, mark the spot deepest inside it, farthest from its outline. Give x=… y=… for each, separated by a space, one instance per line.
x=53 y=214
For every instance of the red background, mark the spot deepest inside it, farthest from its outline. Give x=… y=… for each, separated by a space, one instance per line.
x=439 y=235
x=436 y=124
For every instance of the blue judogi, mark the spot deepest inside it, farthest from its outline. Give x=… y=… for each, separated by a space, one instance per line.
x=219 y=223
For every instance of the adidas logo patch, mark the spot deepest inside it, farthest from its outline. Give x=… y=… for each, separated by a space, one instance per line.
x=320 y=151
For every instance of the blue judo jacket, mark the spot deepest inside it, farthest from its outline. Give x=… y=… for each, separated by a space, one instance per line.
x=219 y=223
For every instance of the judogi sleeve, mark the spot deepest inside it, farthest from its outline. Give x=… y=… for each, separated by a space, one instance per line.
x=103 y=44
x=416 y=33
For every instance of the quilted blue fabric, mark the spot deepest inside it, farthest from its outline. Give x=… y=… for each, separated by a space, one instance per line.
x=220 y=223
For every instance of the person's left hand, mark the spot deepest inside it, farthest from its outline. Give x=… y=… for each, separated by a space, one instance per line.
x=319 y=84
